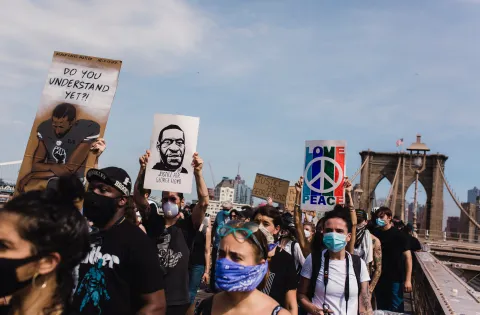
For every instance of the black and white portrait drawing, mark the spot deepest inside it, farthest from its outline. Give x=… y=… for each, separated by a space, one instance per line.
x=172 y=145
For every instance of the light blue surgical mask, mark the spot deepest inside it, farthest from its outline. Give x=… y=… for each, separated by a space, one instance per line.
x=335 y=242
x=381 y=222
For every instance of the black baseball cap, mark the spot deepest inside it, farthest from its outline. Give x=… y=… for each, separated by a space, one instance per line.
x=112 y=176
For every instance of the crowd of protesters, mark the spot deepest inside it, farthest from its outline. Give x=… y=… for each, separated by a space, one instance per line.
x=108 y=248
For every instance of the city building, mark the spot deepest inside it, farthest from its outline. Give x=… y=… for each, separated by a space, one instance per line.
x=452 y=228
x=242 y=193
x=214 y=206
x=225 y=190
x=473 y=194
x=420 y=215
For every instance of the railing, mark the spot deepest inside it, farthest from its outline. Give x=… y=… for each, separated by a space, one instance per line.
x=449 y=236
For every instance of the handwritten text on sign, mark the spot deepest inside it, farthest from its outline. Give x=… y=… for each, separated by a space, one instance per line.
x=267 y=186
x=292 y=193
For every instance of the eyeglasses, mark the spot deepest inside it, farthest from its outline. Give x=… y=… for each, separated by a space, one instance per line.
x=241 y=232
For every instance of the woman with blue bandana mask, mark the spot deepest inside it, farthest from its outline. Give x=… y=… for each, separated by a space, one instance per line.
x=241 y=270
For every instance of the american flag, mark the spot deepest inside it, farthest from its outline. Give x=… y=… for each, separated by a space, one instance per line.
x=399 y=142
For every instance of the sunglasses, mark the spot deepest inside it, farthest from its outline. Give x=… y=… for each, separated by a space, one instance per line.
x=241 y=232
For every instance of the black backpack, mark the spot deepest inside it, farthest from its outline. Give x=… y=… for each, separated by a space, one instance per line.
x=317 y=264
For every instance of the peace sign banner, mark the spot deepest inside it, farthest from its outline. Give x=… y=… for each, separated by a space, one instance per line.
x=324 y=172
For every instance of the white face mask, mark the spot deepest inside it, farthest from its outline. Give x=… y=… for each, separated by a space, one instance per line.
x=307 y=233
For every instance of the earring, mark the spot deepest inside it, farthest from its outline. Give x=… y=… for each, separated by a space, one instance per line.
x=35 y=276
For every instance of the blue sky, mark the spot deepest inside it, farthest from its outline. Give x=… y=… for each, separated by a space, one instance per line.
x=263 y=76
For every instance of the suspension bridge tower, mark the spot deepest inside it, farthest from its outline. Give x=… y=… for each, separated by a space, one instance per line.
x=400 y=169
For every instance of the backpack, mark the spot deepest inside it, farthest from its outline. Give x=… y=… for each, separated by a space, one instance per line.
x=299 y=268
x=317 y=264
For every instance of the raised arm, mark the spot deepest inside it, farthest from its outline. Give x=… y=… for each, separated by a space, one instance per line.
x=353 y=215
x=198 y=212
x=208 y=249
x=377 y=263
x=97 y=149
x=138 y=197
x=297 y=217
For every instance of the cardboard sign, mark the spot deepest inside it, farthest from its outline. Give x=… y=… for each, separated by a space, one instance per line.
x=324 y=172
x=290 y=203
x=72 y=114
x=266 y=186
x=172 y=145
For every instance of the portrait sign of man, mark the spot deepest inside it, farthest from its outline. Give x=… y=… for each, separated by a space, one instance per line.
x=171 y=146
x=63 y=145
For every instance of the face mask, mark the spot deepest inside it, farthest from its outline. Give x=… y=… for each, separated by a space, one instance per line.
x=233 y=277
x=381 y=223
x=8 y=269
x=99 y=209
x=307 y=233
x=335 y=242
x=170 y=209
x=272 y=246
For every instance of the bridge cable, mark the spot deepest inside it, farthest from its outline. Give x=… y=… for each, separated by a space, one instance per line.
x=393 y=183
x=359 y=170
x=455 y=199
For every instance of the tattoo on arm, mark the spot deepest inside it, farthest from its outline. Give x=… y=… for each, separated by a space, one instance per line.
x=377 y=259
x=365 y=300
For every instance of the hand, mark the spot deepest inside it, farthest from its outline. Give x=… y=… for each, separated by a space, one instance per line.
x=347 y=185
x=23 y=182
x=143 y=160
x=299 y=185
x=408 y=287
x=206 y=278
x=197 y=163
x=270 y=201
x=98 y=147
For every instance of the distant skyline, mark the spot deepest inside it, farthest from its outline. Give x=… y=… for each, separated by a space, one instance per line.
x=263 y=76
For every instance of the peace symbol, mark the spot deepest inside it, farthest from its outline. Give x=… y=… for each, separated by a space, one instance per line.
x=322 y=176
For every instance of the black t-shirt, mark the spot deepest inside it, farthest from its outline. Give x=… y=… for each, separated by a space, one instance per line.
x=119 y=268
x=282 y=276
x=414 y=243
x=394 y=243
x=198 y=251
x=173 y=248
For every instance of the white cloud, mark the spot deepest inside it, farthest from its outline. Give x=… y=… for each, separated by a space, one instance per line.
x=151 y=35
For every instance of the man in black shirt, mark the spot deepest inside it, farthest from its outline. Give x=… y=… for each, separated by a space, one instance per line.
x=282 y=280
x=121 y=274
x=174 y=238
x=396 y=263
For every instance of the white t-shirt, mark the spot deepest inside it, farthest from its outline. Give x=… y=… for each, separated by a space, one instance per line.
x=298 y=255
x=335 y=296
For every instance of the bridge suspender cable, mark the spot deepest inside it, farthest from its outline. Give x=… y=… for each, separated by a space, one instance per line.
x=455 y=199
x=394 y=186
x=359 y=170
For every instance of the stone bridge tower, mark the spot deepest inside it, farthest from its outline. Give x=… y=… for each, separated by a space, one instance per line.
x=385 y=164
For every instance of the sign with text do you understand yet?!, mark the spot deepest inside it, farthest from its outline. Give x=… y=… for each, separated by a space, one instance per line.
x=324 y=173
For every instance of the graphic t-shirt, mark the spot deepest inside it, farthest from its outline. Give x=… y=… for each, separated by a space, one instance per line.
x=221 y=218
x=394 y=243
x=60 y=149
x=335 y=295
x=121 y=266
x=173 y=248
x=282 y=276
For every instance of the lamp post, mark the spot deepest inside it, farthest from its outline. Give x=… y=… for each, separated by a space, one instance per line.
x=418 y=163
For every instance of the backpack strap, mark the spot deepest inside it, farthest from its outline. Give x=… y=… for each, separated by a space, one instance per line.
x=204 y=307
x=316 y=265
x=357 y=267
x=276 y=310
x=299 y=268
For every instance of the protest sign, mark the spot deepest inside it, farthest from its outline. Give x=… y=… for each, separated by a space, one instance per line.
x=72 y=114
x=267 y=186
x=172 y=145
x=290 y=203
x=324 y=172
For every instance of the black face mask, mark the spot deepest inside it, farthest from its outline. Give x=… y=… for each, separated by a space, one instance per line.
x=8 y=269
x=99 y=209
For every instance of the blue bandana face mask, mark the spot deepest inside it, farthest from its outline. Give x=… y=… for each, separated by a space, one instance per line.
x=334 y=242
x=233 y=277
x=381 y=223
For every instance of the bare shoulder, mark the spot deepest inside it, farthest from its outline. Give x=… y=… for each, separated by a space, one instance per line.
x=266 y=304
x=283 y=312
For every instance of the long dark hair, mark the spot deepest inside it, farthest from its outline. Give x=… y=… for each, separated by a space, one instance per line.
x=50 y=221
